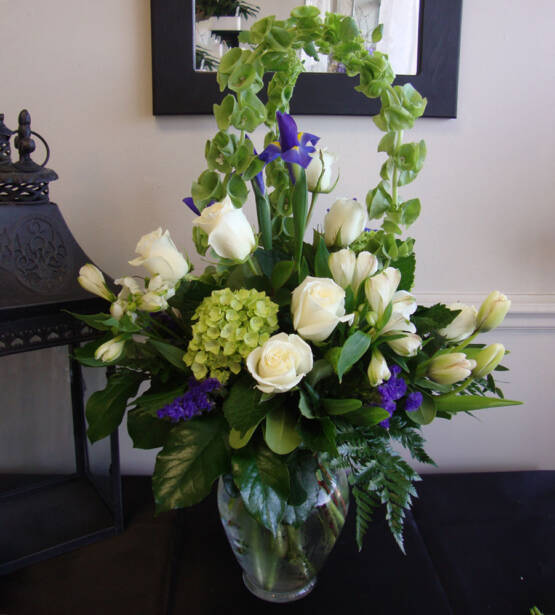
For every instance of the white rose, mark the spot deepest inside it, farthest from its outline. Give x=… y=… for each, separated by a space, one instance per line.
x=314 y=170
x=344 y=222
x=229 y=232
x=380 y=289
x=110 y=350
x=378 y=371
x=92 y=280
x=318 y=306
x=450 y=368
x=366 y=266
x=404 y=303
x=342 y=266
x=281 y=363
x=463 y=325
x=160 y=256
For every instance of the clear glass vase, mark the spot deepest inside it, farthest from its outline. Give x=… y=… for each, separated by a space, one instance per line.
x=283 y=568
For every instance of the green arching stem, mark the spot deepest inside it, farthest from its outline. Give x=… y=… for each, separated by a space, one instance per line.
x=460 y=388
x=312 y=203
x=464 y=344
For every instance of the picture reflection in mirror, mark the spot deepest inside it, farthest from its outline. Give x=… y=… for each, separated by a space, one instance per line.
x=219 y=22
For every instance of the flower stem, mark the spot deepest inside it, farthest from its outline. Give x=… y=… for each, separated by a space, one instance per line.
x=312 y=203
x=252 y=266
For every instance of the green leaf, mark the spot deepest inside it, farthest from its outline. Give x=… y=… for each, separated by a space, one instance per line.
x=411 y=211
x=377 y=202
x=105 y=409
x=261 y=500
x=341 y=406
x=353 y=349
x=304 y=489
x=85 y=354
x=321 y=258
x=264 y=216
x=102 y=322
x=377 y=33
x=223 y=112
x=147 y=431
x=387 y=143
x=425 y=414
x=407 y=267
x=319 y=435
x=238 y=440
x=194 y=456
x=242 y=408
x=281 y=273
x=273 y=470
x=171 y=353
x=467 y=403
x=237 y=190
x=281 y=435
x=367 y=417
x=433 y=318
x=304 y=405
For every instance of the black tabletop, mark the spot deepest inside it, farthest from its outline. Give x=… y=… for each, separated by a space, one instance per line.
x=476 y=544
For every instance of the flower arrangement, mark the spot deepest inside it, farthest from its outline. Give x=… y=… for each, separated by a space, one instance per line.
x=286 y=359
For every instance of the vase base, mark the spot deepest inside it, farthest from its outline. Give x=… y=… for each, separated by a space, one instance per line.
x=271 y=596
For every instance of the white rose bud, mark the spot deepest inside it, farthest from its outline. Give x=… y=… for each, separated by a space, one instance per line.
x=380 y=289
x=366 y=266
x=321 y=158
x=378 y=370
x=488 y=359
x=281 y=363
x=404 y=303
x=159 y=255
x=493 y=311
x=406 y=346
x=342 y=266
x=110 y=350
x=450 y=368
x=463 y=325
x=344 y=222
x=318 y=306
x=91 y=279
x=229 y=232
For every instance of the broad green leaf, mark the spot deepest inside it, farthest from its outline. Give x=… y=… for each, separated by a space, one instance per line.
x=105 y=409
x=467 y=403
x=237 y=190
x=304 y=405
x=367 y=417
x=321 y=369
x=171 y=353
x=319 y=435
x=146 y=430
x=341 y=406
x=102 y=322
x=321 y=258
x=304 y=489
x=387 y=143
x=238 y=440
x=273 y=470
x=281 y=273
x=377 y=33
x=353 y=349
x=433 y=318
x=194 y=456
x=407 y=267
x=411 y=211
x=242 y=408
x=281 y=435
x=223 y=112
x=377 y=202
x=425 y=414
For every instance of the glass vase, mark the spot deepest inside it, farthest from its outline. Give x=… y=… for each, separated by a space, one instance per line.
x=283 y=567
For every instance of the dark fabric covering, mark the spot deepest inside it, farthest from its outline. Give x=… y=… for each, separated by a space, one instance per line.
x=476 y=544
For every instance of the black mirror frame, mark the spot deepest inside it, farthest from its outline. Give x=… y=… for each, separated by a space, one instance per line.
x=179 y=90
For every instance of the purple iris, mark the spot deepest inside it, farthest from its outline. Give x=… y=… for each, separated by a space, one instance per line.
x=193 y=402
x=293 y=146
x=188 y=200
x=393 y=390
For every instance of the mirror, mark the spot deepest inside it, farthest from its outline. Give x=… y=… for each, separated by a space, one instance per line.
x=421 y=36
x=218 y=24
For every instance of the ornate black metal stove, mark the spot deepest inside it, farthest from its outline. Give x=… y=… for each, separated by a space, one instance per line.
x=44 y=513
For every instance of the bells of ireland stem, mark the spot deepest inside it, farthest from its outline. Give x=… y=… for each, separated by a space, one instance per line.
x=493 y=311
x=488 y=359
x=344 y=222
x=450 y=368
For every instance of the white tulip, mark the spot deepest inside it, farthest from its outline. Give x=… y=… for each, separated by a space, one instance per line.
x=321 y=158
x=229 y=232
x=366 y=266
x=159 y=255
x=318 y=306
x=463 y=325
x=488 y=359
x=380 y=289
x=344 y=222
x=342 y=266
x=493 y=311
x=406 y=346
x=281 y=363
x=92 y=279
x=378 y=371
x=110 y=350
x=404 y=303
x=450 y=368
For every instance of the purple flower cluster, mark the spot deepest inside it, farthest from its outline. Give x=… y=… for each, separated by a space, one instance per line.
x=192 y=403
x=393 y=390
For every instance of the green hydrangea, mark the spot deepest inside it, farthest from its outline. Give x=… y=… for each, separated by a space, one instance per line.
x=230 y=324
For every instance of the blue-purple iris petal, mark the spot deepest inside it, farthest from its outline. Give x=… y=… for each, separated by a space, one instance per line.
x=297 y=156
x=270 y=153
x=288 y=134
x=193 y=402
x=307 y=140
x=191 y=205
x=413 y=401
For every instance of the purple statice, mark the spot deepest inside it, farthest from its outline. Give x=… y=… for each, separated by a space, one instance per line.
x=391 y=391
x=193 y=402
x=413 y=401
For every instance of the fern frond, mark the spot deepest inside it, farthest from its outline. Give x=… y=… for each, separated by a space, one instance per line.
x=366 y=505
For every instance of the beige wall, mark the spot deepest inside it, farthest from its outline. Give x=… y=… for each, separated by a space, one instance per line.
x=83 y=70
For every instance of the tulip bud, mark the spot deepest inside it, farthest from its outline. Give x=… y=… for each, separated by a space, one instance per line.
x=493 y=311
x=344 y=222
x=342 y=266
x=91 y=279
x=366 y=266
x=321 y=159
x=463 y=325
x=450 y=368
x=380 y=289
x=488 y=359
x=378 y=370
x=110 y=350
x=406 y=346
